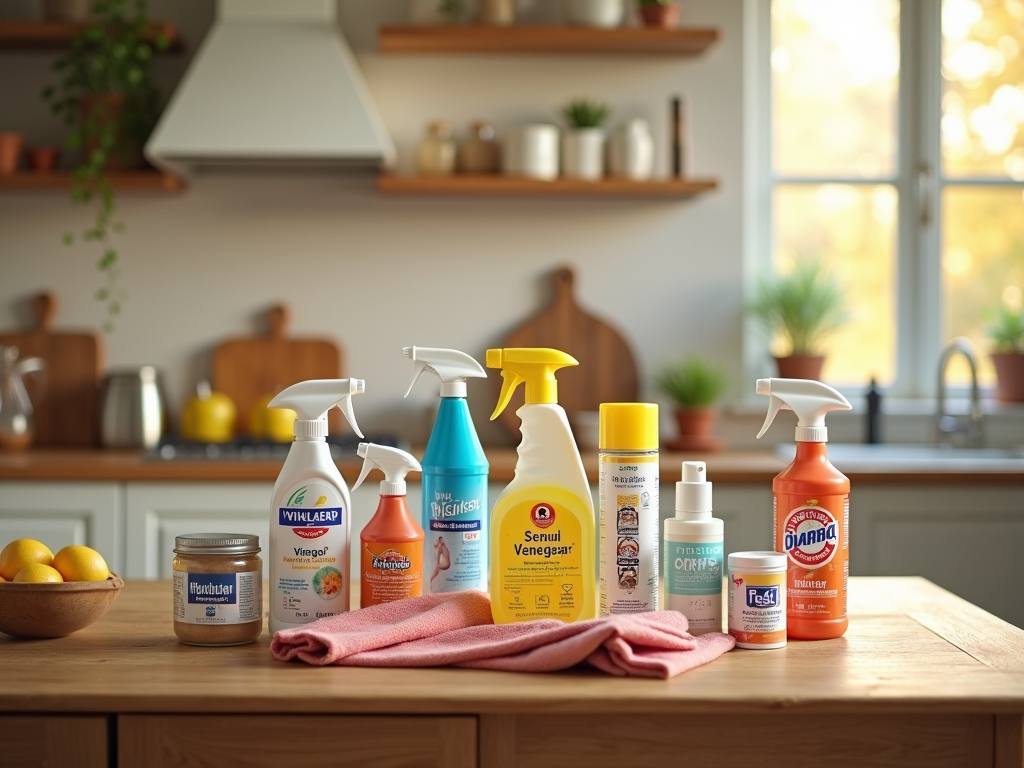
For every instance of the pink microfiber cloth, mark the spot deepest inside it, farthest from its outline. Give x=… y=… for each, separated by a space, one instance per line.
x=456 y=630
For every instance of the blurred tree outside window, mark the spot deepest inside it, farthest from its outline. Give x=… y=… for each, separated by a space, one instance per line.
x=897 y=157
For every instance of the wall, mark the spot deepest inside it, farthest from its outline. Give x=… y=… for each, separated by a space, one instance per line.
x=379 y=273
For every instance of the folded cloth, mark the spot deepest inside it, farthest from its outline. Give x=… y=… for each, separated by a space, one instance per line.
x=455 y=629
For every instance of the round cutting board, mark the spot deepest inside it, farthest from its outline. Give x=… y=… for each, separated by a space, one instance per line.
x=607 y=370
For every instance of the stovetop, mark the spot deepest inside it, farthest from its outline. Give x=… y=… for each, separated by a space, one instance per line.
x=247 y=449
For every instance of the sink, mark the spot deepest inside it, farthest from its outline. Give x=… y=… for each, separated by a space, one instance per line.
x=862 y=457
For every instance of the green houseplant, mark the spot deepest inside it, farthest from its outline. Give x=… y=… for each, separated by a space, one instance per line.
x=1006 y=332
x=583 y=143
x=802 y=308
x=107 y=98
x=659 y=13
x=694 y=385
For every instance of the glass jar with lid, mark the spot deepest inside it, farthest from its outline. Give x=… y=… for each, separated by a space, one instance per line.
x=218 y=588
x=435 y=155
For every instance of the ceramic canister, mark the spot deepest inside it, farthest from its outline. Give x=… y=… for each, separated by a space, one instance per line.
x=631 y=151
x=531 y=150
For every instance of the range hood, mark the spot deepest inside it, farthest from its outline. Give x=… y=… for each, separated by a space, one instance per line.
x=274 y=83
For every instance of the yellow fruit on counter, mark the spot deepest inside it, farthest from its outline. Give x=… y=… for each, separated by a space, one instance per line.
x=78 y=563
x=22 y=552
x=208 y=417
x=275 y=424
x=37 y=573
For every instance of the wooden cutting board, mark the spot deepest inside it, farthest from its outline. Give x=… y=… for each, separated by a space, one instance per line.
x=607 y=370
x=247 y=369
x=66 y=404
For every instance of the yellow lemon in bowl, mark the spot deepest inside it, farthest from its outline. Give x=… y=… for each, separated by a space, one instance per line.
x=37 y=573
x=22 y=552
x=78 y=563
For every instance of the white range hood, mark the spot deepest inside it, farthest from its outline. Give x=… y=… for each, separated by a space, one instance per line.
x=274 y=83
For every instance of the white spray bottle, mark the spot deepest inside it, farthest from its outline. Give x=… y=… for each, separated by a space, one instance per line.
x=311 y=511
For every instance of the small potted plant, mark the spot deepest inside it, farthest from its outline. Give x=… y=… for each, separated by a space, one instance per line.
x=583 y=143
x=694 y=385
x=1007 y=336
x=801 y=308
x=660 y=13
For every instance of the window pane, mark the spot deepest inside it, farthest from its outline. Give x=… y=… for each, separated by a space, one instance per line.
x=853 y=229
x=982 y=264
x=835 y=71
x=983 y=88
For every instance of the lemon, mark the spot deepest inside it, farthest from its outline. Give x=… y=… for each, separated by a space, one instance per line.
x=78 y=563
x=22 y=552
x=37 y=572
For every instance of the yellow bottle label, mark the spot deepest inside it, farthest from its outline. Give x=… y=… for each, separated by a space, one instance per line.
x=544 y=559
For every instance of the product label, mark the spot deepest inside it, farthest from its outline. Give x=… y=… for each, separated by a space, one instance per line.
x=628 y=489
x=540 y=550
x=391 y=572
x=455 y=522
x=757 y=609
x=218 y=598
x=693 y=582
x=815 y=534
x=310 y=558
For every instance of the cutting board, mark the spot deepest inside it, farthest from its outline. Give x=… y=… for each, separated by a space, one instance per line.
x=67 y=401
x=607 y=370
x=247 y=369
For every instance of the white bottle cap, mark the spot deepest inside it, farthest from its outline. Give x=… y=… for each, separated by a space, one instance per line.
x=693 y=492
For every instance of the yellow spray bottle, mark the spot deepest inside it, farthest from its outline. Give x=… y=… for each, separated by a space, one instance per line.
x=542 y=525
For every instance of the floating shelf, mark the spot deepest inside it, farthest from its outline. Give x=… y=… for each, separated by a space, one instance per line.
x=514 y=185
x=135 y=181
x=544 y=39
x=57 y=35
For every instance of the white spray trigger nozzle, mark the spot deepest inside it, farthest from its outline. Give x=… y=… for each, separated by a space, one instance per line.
x=450 y=365
x=311 y=400
x=393 y=462
x=810 y=400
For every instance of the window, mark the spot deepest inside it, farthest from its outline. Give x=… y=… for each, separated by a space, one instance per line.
x=894 y=153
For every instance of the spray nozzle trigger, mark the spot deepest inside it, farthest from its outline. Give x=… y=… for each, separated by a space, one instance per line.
x=311 y=400
x=810 y=400
x=393 y=462
x=534 y=365
x=450 y=365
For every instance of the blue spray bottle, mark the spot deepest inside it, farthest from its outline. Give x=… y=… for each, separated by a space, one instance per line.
x=455 y=470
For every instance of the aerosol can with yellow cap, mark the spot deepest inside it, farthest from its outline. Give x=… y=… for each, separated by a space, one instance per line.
x=542 y=525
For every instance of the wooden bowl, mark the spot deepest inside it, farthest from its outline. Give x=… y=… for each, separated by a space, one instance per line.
x=54 y=610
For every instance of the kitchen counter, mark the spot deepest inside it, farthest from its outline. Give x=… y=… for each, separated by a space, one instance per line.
x=751 y=466
x=921 y=678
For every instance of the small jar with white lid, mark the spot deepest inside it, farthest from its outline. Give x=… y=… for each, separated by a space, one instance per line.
x=218 y=588
x=757 y=599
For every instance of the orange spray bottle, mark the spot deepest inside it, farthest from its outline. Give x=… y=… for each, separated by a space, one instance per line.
x=391 y=544
x=812 y=512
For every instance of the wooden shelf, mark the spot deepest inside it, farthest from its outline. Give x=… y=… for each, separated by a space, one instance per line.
x=57 y=35
x=134 y=181
x=514 y=185
x=545 y=39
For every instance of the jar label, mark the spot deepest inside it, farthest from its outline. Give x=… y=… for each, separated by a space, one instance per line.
x=218 y=598
x=628 y=487
x=757 y=609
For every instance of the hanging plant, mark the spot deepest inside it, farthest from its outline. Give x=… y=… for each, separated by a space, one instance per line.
x=107 y=98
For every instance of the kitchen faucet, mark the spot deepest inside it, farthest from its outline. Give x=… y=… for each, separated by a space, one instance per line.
x=947 y=424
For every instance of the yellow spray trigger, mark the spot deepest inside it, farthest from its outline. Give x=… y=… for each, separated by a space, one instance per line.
x=535 y=366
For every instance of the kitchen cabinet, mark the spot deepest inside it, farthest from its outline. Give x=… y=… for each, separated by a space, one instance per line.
x=63 y=513
x=54 y=741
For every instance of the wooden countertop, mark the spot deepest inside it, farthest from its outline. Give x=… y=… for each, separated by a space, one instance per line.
x=911 y=647
x=752 y=466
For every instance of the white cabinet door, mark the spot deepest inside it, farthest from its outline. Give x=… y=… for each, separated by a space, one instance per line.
x=157 y=512
x=62 y=513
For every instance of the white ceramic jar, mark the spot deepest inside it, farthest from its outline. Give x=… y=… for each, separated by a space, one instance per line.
x=595 y=13
x=583 y=154
x=631 y=151
x=532 y=151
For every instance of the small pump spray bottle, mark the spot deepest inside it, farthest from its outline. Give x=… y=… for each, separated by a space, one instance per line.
x=391 y=544
x=694 y=549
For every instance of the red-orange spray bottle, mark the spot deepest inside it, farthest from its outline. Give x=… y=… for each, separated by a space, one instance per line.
x=812 y=512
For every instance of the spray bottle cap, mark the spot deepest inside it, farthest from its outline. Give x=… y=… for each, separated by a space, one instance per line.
x=693 y=492
x=311 y=400
x=535 y=366
x=809 y=400
x=395 y=464
x=453 y=368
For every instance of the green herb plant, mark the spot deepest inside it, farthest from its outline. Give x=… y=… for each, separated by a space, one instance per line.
x=1006 y=332
x=693 y=382
x=452 y=10
x=107 y=98
x=656 y=2
x=584 y=113
x=803 y=306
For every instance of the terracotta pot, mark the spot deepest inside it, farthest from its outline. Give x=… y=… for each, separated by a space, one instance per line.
x=696 y=425
x=42 y=159
x=800 y=366
x=666 y=16
x=10 y=152
x=104 y=108
x=1010 y=377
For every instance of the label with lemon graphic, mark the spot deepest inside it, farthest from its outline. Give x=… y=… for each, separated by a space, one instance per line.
x=311 y=572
